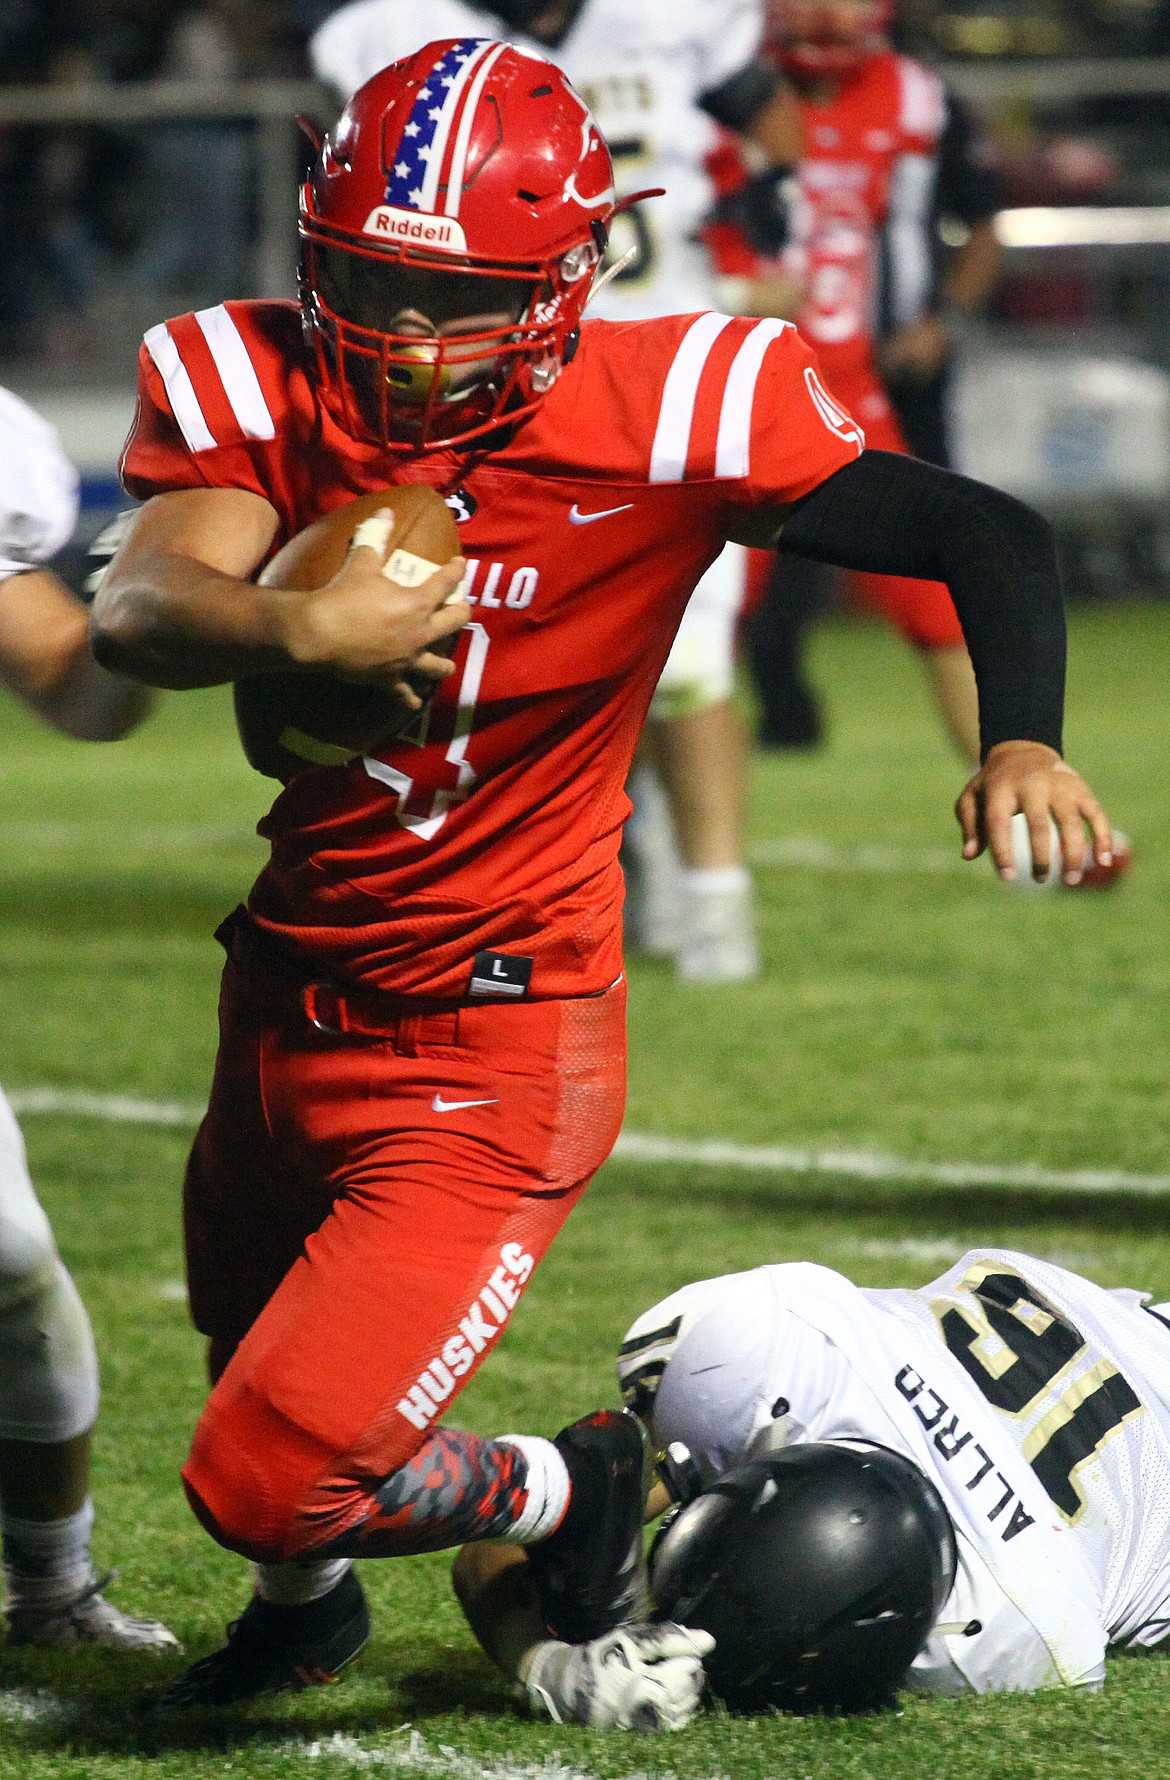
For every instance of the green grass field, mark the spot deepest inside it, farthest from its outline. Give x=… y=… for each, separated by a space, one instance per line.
x=912 y=1008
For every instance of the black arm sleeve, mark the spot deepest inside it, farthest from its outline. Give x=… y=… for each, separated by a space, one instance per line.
x=741 y=98
x=895 y=515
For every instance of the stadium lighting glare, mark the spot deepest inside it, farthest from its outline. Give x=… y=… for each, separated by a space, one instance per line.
x=1084 y=226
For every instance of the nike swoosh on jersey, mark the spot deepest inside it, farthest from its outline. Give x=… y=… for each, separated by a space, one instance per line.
x=438 y=1104
x=576 y=517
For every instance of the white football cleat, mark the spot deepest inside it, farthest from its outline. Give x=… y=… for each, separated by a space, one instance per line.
x=719 y=942
x=86 y=1620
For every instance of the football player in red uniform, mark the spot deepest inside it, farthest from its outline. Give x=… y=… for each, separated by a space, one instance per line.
x=872 y=121
x=422 y=1035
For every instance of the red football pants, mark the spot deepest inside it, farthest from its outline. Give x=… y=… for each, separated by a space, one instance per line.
x=362 y=1212
x=922 y=610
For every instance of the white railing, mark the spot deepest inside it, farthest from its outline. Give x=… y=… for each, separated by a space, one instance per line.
x=272 y=105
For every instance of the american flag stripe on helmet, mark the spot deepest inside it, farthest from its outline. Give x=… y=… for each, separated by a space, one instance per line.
x=462 y=140
x=414 y=178
x=180 y=390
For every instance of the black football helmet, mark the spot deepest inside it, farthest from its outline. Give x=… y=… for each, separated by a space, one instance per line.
x=819 y=1570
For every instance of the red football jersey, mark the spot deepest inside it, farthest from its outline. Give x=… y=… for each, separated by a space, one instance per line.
x=498 y=828
x=867 y=166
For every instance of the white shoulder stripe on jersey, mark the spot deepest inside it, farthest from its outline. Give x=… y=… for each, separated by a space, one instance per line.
x=463 y=138
x=733 y=446
x=672 y=436
x=180 y=390
x=236 y=373
x=835 y=418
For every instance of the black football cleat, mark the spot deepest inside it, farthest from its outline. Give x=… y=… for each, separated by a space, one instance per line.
x=591 y=1573
x=272 y=1648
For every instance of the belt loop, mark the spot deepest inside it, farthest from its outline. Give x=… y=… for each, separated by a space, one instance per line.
x=324 y=1008
x=406 y=1035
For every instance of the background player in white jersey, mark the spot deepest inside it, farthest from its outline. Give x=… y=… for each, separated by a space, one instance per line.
x=1036 y=1403
x=48 y=1370
x=659 y=77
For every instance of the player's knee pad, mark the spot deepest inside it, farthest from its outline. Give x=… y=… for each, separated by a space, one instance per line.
x=48 y=1368
x=253 y=1481
x=700 y=669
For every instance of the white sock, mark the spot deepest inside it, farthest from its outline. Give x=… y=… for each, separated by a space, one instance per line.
x=721 y=880
x=304 y=1579
x=548 y=1489
x=46 y=1561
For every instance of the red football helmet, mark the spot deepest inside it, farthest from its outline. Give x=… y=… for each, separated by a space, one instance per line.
x=826 y=39
x=450 y=233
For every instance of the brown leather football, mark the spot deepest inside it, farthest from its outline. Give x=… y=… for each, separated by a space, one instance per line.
x=289 y=722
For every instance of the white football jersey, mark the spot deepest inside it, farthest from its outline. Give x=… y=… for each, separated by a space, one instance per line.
x=38 y=488
x=1038 y=1403
x=640 y=68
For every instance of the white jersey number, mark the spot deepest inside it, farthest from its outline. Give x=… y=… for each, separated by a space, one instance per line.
x=422 y=807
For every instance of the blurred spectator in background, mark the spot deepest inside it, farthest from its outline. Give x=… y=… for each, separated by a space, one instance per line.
x=863 y=242
x=44 y=266
x=95 y=219
x=196 y=191
x=916 y=355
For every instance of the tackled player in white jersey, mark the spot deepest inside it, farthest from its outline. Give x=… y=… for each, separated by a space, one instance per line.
x=1024 y=1415
x=48 y=1369
x=659 y=77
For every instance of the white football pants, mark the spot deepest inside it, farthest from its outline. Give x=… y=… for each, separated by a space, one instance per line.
x=700 y=669
x=48 y=1367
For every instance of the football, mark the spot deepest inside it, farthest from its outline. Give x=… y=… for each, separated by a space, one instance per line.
x=289 y=722
x=1096 y=877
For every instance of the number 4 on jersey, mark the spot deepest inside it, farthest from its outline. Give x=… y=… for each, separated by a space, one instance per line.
x=424 y=799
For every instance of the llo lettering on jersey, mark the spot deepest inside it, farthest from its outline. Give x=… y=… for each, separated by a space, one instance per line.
x=491 y=590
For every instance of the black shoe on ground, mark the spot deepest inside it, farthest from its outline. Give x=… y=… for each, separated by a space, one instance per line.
x=271 y=1648
x=591 y=1573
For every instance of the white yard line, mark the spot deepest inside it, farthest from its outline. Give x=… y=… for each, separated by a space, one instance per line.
x=177 y=837
x=633 y=1146
x=810 y=852
x=801 y=852
x=110 y=1109
x=645 y=1147
x=19 y=1705
x=409 y=1752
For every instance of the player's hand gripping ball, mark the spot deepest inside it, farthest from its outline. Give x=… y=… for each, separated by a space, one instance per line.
x=289 y=722
x=1096 y=877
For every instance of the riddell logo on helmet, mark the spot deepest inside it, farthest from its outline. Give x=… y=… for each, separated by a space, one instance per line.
x=415 y=226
